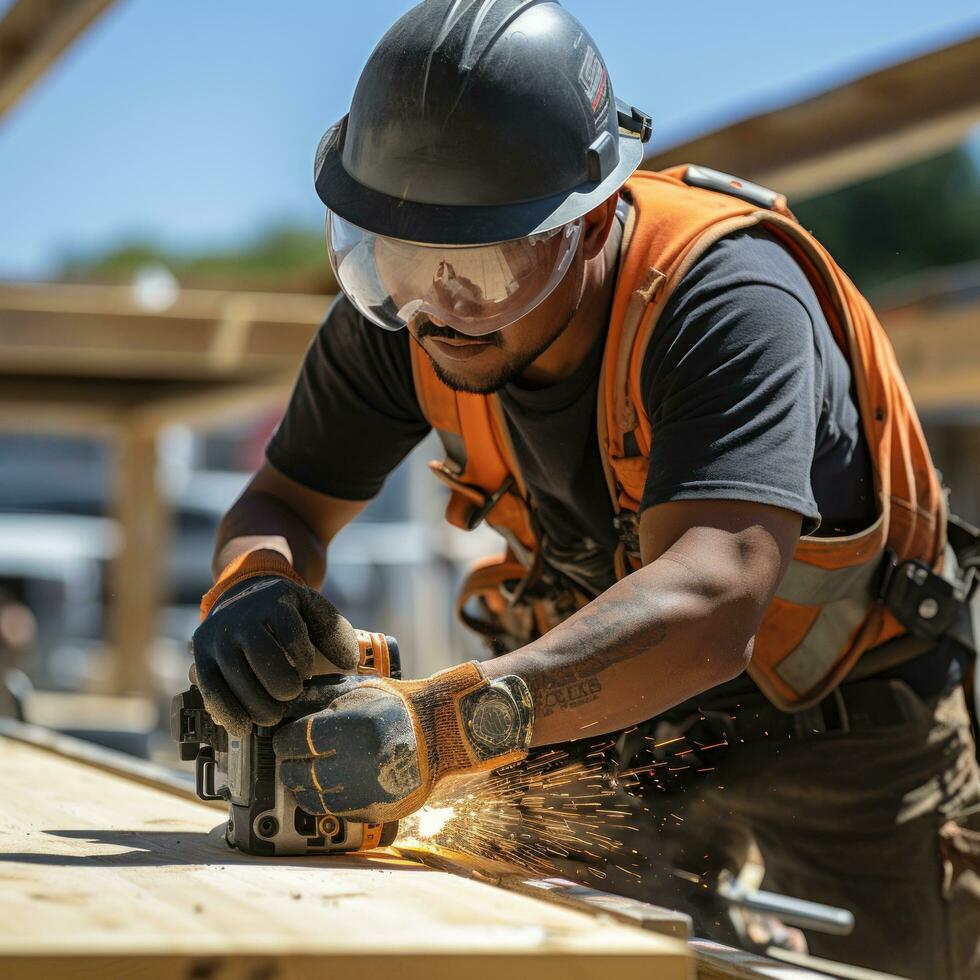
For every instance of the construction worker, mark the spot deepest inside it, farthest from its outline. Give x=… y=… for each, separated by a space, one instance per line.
x=720 y=513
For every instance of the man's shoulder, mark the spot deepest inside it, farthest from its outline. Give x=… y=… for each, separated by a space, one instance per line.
x=753 y=255
x=746 y=302
x=746 y=284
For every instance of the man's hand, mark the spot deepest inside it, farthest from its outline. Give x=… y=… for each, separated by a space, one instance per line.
x=257 y=646
x=375 y=748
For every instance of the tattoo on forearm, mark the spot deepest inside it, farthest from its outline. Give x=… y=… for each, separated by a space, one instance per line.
x=551 y=697
x=609 y=631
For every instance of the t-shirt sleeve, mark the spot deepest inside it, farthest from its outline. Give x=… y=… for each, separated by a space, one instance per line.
x=730 y=379
x=353 y=415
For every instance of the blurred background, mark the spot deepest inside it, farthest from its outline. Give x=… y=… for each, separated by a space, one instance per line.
x=162 y=269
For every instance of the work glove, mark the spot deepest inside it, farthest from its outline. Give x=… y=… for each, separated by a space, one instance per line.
x=375 y=748
x=262 y=628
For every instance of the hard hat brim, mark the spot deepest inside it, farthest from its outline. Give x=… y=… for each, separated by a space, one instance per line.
x=438 y=224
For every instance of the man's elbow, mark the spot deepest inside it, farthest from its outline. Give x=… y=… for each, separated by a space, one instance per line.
x=736 y=659
x=733 y=627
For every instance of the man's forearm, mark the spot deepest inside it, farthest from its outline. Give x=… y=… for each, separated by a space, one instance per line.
x=652 y=640
x=260 y=520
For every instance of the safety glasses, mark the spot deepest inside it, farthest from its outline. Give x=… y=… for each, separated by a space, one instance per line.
x=475 y=289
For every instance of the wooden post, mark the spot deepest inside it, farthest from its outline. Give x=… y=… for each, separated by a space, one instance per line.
x=136 y=575
x=964 y=480
x=955 y=450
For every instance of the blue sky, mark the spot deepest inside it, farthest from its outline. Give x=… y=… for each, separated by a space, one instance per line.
x=194 y=122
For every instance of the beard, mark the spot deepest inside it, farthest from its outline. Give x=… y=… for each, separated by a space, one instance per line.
x=489 y=384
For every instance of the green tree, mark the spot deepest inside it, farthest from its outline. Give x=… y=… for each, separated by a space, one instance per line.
x=921 y=216
x=277 y=258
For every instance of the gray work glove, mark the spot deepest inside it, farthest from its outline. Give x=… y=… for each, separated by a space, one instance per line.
x=257 y=645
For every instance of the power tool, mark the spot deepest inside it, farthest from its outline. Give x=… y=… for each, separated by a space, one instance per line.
x=264 y=817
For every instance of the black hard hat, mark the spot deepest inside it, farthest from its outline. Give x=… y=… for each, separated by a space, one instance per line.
x=479 y=121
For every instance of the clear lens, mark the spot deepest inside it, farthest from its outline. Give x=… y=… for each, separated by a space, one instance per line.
x=474 y=289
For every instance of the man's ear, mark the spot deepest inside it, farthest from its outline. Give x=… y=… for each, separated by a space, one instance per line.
x=598 y=223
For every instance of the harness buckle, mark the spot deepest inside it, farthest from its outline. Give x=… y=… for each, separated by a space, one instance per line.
x=922 y=601
x=478 y=515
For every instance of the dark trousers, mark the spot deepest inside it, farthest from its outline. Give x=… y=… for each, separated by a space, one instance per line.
x=883 y=820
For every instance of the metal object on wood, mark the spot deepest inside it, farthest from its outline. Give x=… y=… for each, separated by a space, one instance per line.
x=894 y=116
x=561 y=891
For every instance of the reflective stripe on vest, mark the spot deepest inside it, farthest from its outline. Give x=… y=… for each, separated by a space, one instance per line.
x=844 y=595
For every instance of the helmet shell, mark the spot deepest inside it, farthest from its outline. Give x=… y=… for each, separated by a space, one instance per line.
x=477 y=121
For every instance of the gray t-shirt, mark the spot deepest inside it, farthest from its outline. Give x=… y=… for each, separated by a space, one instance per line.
x=749 y=398
x=748 y=394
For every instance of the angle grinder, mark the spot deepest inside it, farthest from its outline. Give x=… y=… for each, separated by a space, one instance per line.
x=263 y=817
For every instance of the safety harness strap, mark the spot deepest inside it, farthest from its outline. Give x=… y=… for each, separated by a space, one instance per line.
x=826 y=601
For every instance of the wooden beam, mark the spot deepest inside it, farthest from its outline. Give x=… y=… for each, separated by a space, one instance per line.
x=102 y=331
x=104 y=876
x=713 y=960
x=33 y=406
x=939 y=353
x=89 y=407
x=206 y=406
x=942 y=377
x=33 y=35
x=135 y=580
x=871 y=125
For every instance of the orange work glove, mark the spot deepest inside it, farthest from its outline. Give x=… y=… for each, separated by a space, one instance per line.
x=374 y=748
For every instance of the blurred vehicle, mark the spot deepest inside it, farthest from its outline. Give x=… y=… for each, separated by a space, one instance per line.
x=58 y=538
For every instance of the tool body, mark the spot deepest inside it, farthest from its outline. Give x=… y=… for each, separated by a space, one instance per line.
x=264 y=818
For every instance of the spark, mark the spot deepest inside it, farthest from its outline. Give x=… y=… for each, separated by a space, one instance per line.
x=559 y=806
x=432 y=819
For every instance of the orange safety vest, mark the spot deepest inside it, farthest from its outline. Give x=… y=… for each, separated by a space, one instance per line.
x=824 y=615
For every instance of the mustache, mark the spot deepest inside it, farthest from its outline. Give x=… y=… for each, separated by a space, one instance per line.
x=424 y=327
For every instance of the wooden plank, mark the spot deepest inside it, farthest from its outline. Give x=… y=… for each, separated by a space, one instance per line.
x=108 y=407
x=81 y=710
x=713 y=961
x=103 y=331
x=937 y=349
x=176 y=782
x=870 y=125
x=557 y=890
x=102 y=875
x=33 y=35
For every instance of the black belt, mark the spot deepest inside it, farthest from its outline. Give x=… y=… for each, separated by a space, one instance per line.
x=862 y=706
